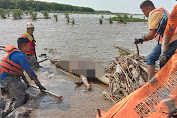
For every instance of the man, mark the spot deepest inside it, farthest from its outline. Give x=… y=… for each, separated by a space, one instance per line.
x=32 y=58
x=11 y=70
x=154 y=17
x=170 y=35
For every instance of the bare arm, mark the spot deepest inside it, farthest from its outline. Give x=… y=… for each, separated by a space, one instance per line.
x=170 y=29
x=150 y=35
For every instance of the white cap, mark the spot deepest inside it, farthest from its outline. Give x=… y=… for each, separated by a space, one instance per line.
x=29 y=25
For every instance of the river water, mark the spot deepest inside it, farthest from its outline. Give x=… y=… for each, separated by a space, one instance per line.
x=88 y=39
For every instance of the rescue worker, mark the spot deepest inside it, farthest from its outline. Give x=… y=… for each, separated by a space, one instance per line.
x=154 y=16
x=11 y=70
x=170 y=35
x=32 y=58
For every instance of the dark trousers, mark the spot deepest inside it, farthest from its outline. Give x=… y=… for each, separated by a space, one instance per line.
x=17 y=93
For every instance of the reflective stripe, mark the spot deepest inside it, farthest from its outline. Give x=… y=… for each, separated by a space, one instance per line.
x=29 y=37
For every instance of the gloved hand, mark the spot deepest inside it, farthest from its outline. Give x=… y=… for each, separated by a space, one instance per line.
x=40 y=86
x=163 y=57
x=139 y=40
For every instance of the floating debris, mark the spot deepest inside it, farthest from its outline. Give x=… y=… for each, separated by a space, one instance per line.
x=126 y=73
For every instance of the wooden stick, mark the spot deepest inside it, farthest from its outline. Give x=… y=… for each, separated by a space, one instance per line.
x=124 y=50
x=136 y=62
x=107 y=96
x=137 y=49
x=49 y=93
x=126 y=76
x=44 y=60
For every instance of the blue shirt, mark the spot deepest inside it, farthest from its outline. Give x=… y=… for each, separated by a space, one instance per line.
x=19 y=58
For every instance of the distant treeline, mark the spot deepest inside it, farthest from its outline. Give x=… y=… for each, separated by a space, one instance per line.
x=39 y=6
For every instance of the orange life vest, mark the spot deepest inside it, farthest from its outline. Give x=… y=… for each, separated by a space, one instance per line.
x=157 y=36
x=31 y=42
x=161 y=9
x=6 y=65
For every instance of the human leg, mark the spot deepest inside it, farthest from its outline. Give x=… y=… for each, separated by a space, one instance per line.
x=151 y=59
x=18 y=95
x=32 y=60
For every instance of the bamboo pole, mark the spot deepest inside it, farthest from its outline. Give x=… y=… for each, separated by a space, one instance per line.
x=49 y=93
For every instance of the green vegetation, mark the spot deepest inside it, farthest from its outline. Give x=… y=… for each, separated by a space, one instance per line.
x=33 y=15
x=17 y=13
x=102 y=12
x=67 y=17
x=39 y=6
x=26 y=12
x=124 y=18
x=101 y=21
x=73 y=21
x=56 y=17
x=46 y=14
x=2 y=13
x=8 y=12
x=110 y=20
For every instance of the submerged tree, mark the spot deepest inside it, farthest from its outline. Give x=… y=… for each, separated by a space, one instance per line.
x=101 y=21
x=46 y=14
x=73 y=21
x=8 y=12
x=110 y=20
x=2 y=13
x=122 y=18
x=56 y=17
x=17 y=13
x=33 y=15
x=67 y=17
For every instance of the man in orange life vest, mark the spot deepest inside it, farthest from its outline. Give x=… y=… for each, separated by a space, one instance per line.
x=32 y=58
x=11 y=72
x=154 y=16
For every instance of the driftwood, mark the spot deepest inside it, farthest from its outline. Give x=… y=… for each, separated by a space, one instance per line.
x=127 y=73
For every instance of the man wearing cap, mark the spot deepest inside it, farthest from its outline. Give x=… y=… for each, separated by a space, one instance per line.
x=11 y=73
x=32 y=58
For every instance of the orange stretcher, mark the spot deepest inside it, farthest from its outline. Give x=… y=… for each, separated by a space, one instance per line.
x=156 y=99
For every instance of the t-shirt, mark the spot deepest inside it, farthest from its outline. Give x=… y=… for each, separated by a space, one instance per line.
x=154 y=19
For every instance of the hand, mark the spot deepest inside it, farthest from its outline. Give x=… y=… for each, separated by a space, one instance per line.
x=136 y=41
x=41 y=87
x=163 y=57
x=140 y=40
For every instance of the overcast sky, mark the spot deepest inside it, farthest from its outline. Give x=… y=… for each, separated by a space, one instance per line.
x=126 y=6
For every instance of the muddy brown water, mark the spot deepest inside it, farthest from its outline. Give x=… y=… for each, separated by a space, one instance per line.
x=88 y=39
